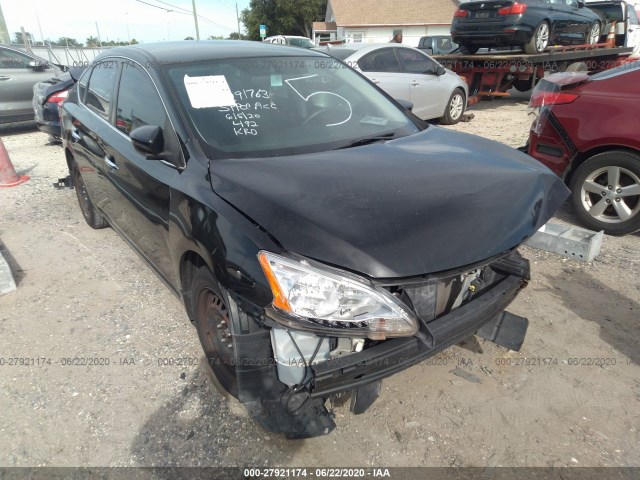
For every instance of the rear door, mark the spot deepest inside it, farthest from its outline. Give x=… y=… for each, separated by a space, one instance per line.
x=383 y=68
x=429 y=92
x=16 y=85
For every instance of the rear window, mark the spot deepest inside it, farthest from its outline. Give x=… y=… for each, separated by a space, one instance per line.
x=339 y=53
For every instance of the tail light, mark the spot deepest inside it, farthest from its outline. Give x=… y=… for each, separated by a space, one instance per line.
x=514 y=9
x=461 y=13
x=543 y=99
x=58 y=97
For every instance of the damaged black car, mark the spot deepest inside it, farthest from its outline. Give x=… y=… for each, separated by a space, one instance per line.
x=320 y=235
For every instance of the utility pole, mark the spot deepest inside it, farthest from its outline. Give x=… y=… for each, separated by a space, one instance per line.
x=4 y=33
x=195 y=19
x=238 y=18
x=99 y=39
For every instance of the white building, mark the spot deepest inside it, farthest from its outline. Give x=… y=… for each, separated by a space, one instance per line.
x=375 y=21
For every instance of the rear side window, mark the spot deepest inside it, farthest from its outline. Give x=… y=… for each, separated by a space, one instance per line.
x=138 y=101
x=633 y=16
x=383 y=60
x=11 y=59
x=99 y=94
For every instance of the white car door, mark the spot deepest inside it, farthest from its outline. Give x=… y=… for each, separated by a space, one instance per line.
x=382 y=67
x=633 y=30
x=429 y=92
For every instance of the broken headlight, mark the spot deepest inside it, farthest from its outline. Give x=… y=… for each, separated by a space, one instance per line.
x=319 y=296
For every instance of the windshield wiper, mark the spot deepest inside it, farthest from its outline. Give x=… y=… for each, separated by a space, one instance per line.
x=368 y=140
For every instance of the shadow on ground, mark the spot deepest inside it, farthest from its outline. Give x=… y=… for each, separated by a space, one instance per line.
x=18 y=128
x=198 y=427
x=16 y=270
x=617 y=315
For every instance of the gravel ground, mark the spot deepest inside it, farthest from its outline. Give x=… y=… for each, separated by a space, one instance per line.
x=84 y=293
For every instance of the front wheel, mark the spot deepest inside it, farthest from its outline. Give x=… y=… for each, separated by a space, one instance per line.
x=214 y=328
x=455 y=108
x=593 y=35
x=539 y=40
x=605 y=192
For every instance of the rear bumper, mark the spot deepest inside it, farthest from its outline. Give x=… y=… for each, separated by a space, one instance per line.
x=392 y=356
x=48 y=119
x=499 y=36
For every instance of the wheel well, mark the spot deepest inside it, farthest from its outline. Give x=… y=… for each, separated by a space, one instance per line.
x=190 y=262
x=584 y=156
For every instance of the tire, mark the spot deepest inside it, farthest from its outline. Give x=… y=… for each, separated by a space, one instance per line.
x=455 y=108
x=468 y=49
x=593 y=34
x=615 y=210
x=212 y=322
x=93 y=218
x=522 y=85
x=539 y=40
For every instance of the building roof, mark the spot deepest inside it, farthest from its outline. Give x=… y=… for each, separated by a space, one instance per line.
x=396 y=12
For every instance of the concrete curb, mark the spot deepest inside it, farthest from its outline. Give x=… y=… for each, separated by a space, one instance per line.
x=7 y=285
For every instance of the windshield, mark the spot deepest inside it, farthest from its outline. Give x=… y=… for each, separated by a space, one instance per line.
x=271 y=106
x=301 y=42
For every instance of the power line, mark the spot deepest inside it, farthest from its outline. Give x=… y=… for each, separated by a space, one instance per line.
x=162 y=8
x=186 y=12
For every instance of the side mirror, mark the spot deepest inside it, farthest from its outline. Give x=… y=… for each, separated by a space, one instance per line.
x=37 y=66
x=440 y=70
x=580 y=4
x=407 y=105
x=148 y=139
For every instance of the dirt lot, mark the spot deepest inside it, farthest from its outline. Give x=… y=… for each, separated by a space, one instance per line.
x=84 y=293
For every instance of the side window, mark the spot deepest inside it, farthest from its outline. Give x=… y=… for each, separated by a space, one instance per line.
x=100 y=91
x=383 y=60
x=138 y=101
x=11 y=59
x=572 y=3
x=415 y=62
x=82 y=84
x=633 y=16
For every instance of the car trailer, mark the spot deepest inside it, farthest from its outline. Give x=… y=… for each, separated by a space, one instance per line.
x=491 y=75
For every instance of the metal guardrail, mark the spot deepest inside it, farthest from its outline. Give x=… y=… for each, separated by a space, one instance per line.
x=69 y=56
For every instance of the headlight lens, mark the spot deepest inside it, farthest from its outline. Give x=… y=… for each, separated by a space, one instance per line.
x=333 y=299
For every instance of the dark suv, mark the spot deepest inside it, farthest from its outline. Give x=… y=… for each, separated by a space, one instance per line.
x=320 y=235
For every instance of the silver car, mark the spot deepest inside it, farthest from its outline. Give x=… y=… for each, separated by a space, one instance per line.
x=406 y=73
x=19 y=72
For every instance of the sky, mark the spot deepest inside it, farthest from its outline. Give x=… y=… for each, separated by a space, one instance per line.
x=121 y=19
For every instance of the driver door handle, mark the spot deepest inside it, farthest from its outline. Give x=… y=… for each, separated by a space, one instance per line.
x=3 y=77
x=375 y=81
x=110 y=162
x=415 y=83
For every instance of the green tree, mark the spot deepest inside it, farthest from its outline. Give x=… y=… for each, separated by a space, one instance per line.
x=215 y=37
x=134 y=42
x=67 y=41
x=189 y=38
x=233 y=36
x=92 y=42
x=282 y=17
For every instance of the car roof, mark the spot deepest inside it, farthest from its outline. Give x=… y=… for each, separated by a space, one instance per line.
x=161 y=53
x=360 y=48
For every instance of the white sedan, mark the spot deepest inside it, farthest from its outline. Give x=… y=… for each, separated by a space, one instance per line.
x=406 y=73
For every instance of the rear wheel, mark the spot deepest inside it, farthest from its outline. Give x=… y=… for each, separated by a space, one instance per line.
x=539 y=40
x=593 y=35
x=522 y=85
x=214 y=328
x=455 y=108
x=605 y=192
x=93 y=218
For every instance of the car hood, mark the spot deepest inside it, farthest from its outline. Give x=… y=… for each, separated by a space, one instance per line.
x=425 y=203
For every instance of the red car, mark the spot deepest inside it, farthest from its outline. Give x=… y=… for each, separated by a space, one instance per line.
x=587 y=131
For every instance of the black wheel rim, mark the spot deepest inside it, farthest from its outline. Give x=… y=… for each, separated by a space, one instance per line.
x=215 y=335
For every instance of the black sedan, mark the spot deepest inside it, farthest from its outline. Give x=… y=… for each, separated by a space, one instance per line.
x=532 y=25
x=320 y=235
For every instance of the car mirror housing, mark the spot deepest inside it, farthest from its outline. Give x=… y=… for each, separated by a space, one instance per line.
x=148 y=139
x=580 y=4
x=37 y=66
x=440 y=70
x=407 y=105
